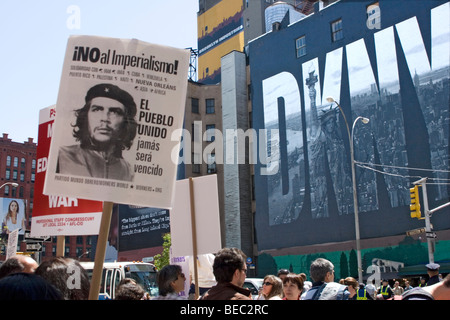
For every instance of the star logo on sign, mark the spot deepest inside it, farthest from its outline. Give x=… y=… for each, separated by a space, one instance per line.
x=106 y=90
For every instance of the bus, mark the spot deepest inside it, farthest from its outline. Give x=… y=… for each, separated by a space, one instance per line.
x=143 y=273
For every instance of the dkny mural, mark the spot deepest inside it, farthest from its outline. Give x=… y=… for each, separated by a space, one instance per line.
x=397 y=76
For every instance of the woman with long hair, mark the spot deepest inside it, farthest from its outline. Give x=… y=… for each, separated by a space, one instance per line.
x=272 y=288
x=13 y=220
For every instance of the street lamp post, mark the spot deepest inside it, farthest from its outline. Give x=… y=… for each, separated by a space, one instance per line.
x=14 y=184
x=355 y=195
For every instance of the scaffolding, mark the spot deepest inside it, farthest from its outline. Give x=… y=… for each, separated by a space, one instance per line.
x=192 y=76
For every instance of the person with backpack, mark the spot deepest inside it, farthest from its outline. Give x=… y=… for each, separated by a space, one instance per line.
x=324 y=287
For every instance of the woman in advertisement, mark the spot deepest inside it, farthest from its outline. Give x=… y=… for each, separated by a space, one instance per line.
x=13 y=219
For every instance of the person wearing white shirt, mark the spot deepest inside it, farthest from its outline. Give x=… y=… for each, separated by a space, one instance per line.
x=206 y=278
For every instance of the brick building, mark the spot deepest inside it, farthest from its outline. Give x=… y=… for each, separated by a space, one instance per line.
x=18 y=165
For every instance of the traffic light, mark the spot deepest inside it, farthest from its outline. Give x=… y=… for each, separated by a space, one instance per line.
x=415 y=204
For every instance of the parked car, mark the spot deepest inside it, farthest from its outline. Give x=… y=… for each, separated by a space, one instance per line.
x=254 y=285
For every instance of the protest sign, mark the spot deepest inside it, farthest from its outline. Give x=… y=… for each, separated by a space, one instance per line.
x=58 y=215
x=13 y=239
x=206 y=216
x=119 y=110
x=194 y=219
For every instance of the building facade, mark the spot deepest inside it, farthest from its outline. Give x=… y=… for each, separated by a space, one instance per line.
x=18 y=164
x=224 y=30
x=225 y=26
x=310 y=81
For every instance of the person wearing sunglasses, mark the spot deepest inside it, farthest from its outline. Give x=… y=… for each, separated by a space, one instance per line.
x=170 y=283
x=272 y=288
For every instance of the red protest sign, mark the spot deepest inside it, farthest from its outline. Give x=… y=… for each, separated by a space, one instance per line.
x=58 y=215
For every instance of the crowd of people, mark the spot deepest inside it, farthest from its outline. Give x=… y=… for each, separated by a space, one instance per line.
x=21 y=278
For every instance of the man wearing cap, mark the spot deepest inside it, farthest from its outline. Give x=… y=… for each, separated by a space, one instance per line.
x=433 y=273
x=105 y=126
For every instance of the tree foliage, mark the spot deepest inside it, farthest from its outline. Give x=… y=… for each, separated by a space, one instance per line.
x=163 y=259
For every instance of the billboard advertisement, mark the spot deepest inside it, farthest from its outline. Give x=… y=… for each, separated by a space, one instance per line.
x=394 y=76
x=13 y=215
x=220 y=31
x=141 y=227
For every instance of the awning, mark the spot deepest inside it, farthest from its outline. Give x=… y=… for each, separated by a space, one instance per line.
x=421 y=270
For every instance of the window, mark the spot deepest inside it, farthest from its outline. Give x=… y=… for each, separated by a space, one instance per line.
x=6 y=190
x=16 y=161
x=22 y=163
x=372 y=9
x=22 y=176
x=336 y=30
x=21 y=190
x=210 y=106
x=33 y=164
x=195 y=104
x=300 y=46
x=8 y=161
x=212 y=163
x=15 y=175
x=8 y=174
x=210 y=132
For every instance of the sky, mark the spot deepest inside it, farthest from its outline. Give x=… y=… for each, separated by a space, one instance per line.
x=34 y=36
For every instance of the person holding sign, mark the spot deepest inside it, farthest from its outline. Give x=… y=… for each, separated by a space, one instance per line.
x=105 y=126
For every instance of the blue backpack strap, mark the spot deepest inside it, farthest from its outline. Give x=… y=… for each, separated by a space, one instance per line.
x=318 y=292
x=343 y=293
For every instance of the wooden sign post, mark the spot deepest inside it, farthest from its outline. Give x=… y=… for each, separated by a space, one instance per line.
x=197 y=233
x=60 y=245
x=194 y=236
x=101 y=250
